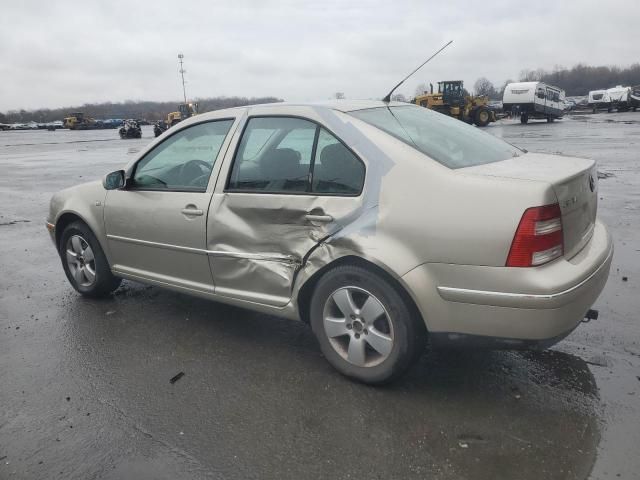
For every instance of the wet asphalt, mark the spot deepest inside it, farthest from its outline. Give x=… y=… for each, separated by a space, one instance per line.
x=85 y=387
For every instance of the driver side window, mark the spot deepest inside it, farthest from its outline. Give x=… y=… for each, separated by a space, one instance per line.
x=184 y=161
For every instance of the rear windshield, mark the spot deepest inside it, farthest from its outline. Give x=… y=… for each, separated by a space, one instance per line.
x=447 y=140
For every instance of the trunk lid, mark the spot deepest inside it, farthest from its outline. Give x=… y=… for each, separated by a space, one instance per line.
x=574 y=182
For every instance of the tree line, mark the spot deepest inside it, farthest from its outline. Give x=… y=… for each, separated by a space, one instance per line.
x=151 y=111
x=575 y=81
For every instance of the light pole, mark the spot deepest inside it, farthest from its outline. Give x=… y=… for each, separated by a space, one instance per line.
x=182 y=72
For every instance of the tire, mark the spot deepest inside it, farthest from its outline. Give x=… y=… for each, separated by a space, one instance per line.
x=373 y=313
x=90 y=277
x=524 y=118
x=550 y=119
x=482 y=117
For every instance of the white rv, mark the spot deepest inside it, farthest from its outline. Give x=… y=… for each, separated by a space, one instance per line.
x=533 y=100
x=599 y=99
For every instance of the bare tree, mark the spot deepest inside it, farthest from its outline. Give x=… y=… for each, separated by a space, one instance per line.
x=421 y=89
x=398 y=97
x=485 y=87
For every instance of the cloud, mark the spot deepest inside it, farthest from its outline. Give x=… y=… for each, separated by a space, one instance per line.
x=68 y=53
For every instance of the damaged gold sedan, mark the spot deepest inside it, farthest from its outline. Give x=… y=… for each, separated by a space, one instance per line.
x=380 y=224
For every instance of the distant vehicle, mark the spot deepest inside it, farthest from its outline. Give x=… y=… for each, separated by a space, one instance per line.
x=23 y=126
x=534 y=100
x=185 y=110
x=130 y=129
x=635 y=97
x=52 y=126
x=599 y=99
x=452 y=99
x=621 y=98
x=78 y=121
x=4 y=126
x=381 y=224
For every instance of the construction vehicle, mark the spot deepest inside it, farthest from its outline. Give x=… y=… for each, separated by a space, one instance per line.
x=453 y=100
x=77 y=121
x=185 y=110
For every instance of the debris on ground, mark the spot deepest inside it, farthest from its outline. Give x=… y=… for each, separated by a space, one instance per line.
x=624 y=279
x=463 y=444
x=176 y=378
x=603 y=175
x=13 y=222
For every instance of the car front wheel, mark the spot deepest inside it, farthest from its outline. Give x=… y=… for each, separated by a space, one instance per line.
x=365 y=328
x=84 y=262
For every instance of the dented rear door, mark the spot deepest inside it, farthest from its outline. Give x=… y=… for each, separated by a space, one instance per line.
x=260 y=226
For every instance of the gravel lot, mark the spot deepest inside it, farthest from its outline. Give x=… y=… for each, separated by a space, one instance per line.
x=85 y=390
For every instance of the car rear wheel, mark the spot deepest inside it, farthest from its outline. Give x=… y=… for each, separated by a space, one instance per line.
x=84 y=262
x=365 y=328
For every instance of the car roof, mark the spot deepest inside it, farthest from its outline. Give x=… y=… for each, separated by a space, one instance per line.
x=339 y=105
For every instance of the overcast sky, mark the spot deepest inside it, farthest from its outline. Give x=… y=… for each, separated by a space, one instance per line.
x=62 y=53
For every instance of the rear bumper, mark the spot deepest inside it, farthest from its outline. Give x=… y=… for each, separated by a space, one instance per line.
x=512 y=305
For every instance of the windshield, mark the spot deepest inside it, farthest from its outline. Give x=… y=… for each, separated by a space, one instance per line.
x=447 y=140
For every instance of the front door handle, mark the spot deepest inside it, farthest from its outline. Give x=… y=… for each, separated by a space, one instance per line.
x=318 y=218
x=192 y=211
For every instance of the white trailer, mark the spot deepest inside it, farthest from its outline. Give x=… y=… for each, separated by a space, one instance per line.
x=533 y=100
x=622 y=98
x=599 y=99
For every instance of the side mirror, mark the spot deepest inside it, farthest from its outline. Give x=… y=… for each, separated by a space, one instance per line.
x=113 y=180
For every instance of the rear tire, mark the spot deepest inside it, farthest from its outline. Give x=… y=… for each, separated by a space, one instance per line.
x=84 y=262
x=365 y=328
x=524 y=118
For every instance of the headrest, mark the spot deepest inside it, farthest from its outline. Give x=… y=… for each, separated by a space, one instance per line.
x=280 y=163
x=335 y=155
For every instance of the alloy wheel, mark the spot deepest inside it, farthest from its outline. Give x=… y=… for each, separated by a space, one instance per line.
x=81 y=261
x=358 y=326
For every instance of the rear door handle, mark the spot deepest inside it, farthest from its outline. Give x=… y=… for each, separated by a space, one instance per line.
x=318 y=218
x=192 y=211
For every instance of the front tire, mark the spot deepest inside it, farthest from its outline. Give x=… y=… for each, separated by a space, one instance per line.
x=364 y=326
x=85 y=263
x=482 y=117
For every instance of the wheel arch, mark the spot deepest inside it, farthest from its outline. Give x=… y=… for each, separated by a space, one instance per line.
x=306 y=289
x=68 y=217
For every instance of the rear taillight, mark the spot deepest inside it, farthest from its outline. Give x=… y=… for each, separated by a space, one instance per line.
x=538 y=238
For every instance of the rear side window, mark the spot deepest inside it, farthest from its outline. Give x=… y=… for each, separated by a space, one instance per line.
x=293 y=155
x=446 y=140
x=336 y=169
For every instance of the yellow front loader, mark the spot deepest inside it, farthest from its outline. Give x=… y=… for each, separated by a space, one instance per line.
x=451 y=99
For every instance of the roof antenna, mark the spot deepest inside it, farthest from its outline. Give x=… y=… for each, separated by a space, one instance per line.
x=387 y=99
